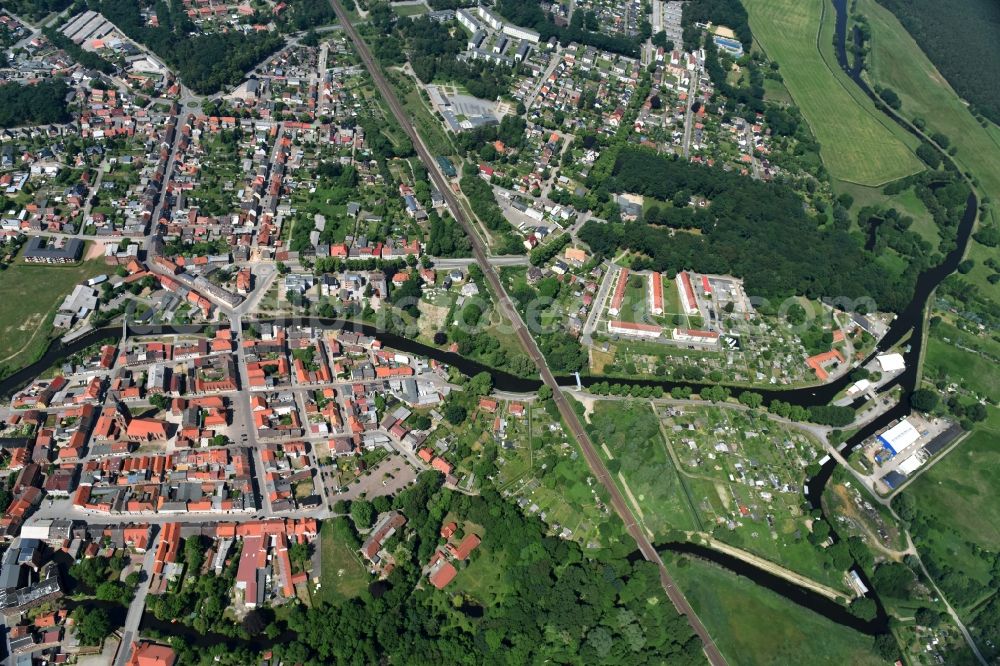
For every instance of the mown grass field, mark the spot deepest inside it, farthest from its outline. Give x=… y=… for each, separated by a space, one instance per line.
x=897 y=62
x=857 y=145
x=755 y=627
x=29 y=296
x=342 y=574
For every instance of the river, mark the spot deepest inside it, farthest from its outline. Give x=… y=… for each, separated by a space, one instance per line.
x=908 y=322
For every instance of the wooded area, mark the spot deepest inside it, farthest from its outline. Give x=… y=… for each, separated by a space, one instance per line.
x=43 y=102
x=960 y=37
x=205 y=63
x=755 y=230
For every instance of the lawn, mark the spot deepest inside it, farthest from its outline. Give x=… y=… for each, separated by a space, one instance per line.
x=342 y=575
x=898 y=63
x=410 y=10
x=482 y=578
x=29 y=296
x=754 y=626
x=857 y=142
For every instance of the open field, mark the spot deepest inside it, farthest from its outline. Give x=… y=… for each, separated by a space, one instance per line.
x=410 y=10
x=857 y=145
x=29 y=295
x=754 y=626
x=343 y=576
x=961 y=489
x=898 y=63
x=483 y=577
x=952 y=355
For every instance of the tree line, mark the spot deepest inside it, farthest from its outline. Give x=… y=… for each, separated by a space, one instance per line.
x=961 y=38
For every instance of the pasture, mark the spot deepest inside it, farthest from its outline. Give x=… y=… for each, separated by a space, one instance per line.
x=754 y=626
x=857 y=143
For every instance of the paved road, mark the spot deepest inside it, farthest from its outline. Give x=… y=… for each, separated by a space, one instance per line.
x=527 y=342
x=689 y=114
x=131 y=630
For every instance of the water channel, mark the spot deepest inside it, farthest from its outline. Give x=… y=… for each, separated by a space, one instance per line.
x=909 y=322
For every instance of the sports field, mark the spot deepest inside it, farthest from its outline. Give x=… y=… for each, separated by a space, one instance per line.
x=857 y=144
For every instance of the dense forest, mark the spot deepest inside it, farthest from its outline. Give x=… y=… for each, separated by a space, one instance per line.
x=36 y=104
x=961 y=38
x=556 y=605
x=758 y=231
x=205 y=63
x=528 y=14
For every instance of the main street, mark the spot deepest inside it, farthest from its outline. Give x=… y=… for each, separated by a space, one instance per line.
x=527 y=342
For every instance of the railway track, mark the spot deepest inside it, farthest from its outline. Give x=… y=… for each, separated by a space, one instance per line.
x=527 y=342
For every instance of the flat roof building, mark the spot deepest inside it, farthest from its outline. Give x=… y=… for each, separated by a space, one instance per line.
x=39 y=251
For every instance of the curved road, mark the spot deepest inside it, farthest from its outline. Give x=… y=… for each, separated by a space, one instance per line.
x=528 y=343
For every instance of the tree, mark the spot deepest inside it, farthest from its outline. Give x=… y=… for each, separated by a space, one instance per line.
x=751 y=399
x=92 y=625
x=886 y=648
x=454 y=413
x=924 y=400
x=481 y=384
x=115 y=591
x=864 y=608
x=363 y=513
x=159 y=401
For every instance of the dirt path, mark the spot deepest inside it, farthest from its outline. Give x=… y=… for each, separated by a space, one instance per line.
x=771 y=567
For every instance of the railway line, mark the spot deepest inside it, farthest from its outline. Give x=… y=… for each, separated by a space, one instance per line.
x=528 y=343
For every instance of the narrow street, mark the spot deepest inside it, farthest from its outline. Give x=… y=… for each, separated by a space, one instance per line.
x=135 y=610
x=528 y=343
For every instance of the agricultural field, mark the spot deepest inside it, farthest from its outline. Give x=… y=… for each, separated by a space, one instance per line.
x=856 y=143
x=897 y=62
x=755 y=626
x=26 y=323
